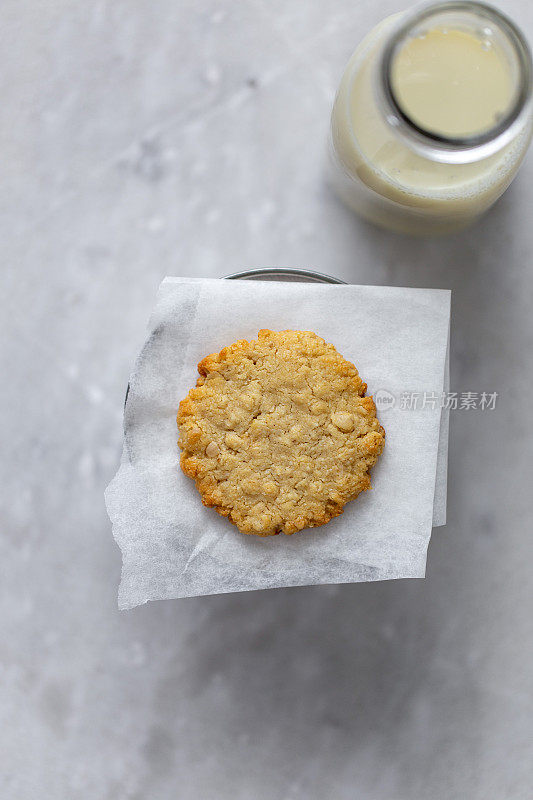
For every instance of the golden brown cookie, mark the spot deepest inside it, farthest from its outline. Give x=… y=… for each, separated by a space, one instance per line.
x=278 y=434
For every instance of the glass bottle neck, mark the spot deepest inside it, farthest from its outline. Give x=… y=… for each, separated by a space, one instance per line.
x=484 y=26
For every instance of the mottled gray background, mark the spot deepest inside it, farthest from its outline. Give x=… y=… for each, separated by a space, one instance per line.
x=141 y=139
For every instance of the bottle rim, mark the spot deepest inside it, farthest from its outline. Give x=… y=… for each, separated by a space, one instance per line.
x=453 y=149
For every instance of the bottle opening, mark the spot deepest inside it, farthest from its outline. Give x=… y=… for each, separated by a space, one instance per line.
x=456 y=77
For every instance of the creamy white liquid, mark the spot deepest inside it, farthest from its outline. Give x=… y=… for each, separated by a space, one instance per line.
x=452 y=83
x=384 y=179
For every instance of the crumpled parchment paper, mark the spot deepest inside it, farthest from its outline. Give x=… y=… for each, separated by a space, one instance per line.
x=172 y=546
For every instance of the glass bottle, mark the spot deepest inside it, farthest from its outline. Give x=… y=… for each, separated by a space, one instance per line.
x=436 y=168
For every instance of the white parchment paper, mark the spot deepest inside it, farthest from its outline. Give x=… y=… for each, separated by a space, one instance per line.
x=172 y=546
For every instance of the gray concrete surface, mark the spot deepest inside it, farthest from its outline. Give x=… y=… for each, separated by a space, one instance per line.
x=141 y=139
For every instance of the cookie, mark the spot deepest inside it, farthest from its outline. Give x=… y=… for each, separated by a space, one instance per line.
x=278 y=434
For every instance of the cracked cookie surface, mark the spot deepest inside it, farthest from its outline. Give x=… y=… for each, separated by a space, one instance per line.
x=278 y=434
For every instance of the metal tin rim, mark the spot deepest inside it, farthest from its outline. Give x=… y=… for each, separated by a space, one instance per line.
x=310 y=275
